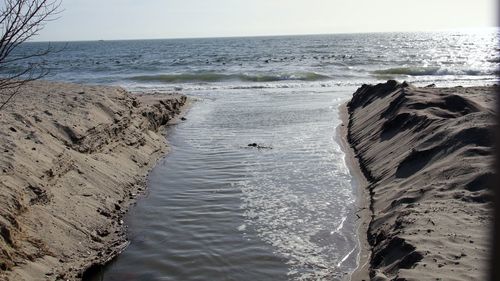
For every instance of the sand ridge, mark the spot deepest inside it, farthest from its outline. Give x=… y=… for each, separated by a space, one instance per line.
x=427 y=155
x=73 y=159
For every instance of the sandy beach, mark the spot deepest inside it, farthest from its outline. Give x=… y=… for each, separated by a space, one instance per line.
x=426 y=154
x=74 y=158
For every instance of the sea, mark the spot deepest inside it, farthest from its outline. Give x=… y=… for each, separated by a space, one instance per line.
x=218 y=207
x=462 y=57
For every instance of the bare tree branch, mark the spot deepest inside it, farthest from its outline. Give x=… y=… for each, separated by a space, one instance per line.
x=21 y=20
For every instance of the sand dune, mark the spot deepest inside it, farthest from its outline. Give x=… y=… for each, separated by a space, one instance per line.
x=73 y=158
x=427 y=156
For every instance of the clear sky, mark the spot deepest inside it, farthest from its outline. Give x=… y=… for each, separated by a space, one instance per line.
x=139 y=19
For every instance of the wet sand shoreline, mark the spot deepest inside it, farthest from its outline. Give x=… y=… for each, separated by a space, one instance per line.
x=363 y=202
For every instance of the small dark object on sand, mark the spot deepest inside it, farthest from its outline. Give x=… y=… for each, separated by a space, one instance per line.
x=183 y=118
x=253 y=145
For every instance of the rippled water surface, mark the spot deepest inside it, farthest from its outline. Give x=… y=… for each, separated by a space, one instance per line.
x=220 y=210
x=468 y=57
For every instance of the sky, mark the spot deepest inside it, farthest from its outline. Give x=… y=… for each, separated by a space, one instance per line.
x=148 y=19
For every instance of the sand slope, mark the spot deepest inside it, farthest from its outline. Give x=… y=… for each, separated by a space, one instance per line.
x=427 y=155
x=73 y=158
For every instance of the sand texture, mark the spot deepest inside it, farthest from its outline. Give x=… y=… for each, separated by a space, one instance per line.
x=73 y=159
x=427 y=156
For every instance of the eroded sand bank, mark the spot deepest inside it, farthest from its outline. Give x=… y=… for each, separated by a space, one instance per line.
x=427 y=156
x=73 y=159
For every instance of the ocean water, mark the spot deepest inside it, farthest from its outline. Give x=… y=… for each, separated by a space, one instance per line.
x=466 y=57
x=217 y=209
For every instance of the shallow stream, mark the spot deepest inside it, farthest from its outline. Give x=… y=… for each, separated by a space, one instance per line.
x=218 y=209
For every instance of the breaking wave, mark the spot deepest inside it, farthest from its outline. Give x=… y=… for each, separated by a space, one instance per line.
x=428 y=71
x=207 y=77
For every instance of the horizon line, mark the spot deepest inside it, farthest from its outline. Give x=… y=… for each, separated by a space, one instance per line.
x=270 y=35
